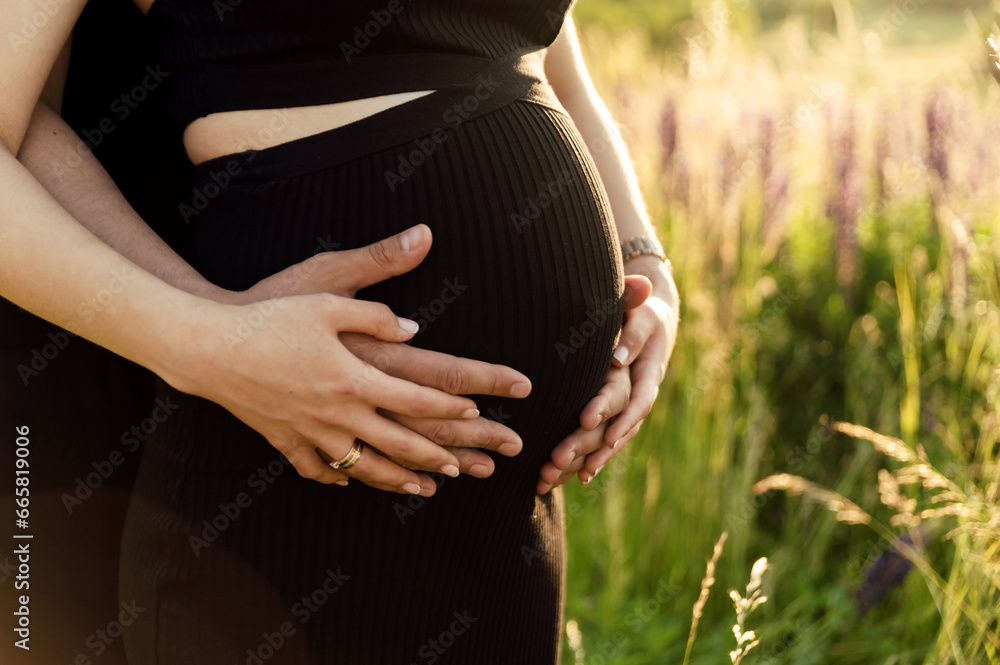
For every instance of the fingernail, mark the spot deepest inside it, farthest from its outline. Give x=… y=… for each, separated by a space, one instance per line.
x=408 y=325
x=597 y=472
x=479 y=470
x=615 y=444
x=509 y=449
x=589 y=478
x=621 y=354
x=600 y=419
x=572 y=456
x=520 y=389
x=410 y=239
x=412 y=488
x=342 y=483
x=450 y=470
x=470 y=413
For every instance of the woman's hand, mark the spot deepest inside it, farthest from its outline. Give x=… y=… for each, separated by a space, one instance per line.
x=613 y=417
x=281 y=367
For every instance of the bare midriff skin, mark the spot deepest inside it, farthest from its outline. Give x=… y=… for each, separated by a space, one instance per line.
x=228 y=132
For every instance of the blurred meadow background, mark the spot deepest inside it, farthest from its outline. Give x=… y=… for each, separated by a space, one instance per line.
x=825 y=177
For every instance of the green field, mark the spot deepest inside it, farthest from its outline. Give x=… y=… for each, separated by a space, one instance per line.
x=827 y=189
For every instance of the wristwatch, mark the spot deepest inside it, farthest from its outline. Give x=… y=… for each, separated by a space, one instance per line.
x=640 y=245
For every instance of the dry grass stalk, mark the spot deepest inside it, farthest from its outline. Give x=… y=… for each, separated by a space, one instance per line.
x=706 y=586
x=747 y=639
x=844 y=509
x=891 y=446
x=977 y=535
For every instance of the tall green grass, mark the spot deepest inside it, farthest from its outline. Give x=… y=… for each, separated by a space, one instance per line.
x=831 y=213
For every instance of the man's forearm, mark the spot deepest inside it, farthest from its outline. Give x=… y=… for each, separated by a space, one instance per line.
x=89 y=194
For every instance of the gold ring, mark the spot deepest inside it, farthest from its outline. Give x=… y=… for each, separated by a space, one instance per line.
x=351 y=458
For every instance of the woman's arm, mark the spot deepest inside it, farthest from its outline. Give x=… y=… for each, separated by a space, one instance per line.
x=50 y=264
x=613 y=417
x=568 y=76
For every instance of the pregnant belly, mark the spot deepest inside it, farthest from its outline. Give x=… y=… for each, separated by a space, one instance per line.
x=524 y=268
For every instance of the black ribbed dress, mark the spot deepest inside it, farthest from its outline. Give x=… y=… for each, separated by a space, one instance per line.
x=232 y=555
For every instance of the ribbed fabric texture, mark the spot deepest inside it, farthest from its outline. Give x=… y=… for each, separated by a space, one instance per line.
x=229 y=55
x=524 y=270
